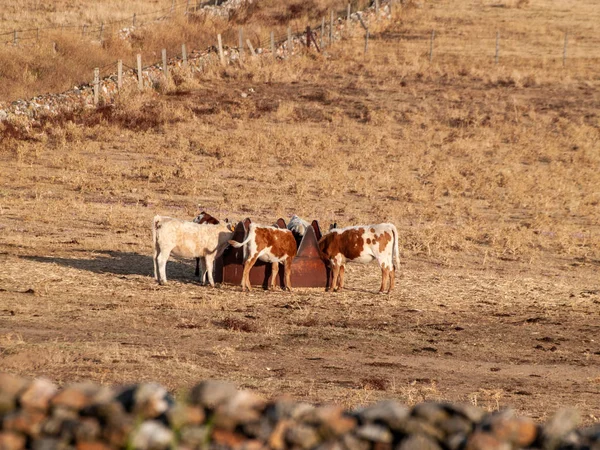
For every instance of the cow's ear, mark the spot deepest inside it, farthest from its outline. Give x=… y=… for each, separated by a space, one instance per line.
x=226 y=220
x=230 y=227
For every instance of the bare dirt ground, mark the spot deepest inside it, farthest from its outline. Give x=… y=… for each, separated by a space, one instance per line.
x=490 y=175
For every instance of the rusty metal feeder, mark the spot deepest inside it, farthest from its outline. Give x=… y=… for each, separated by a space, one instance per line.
x=308 y=269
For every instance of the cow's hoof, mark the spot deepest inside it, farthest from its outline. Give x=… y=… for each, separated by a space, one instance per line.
x=162 y=283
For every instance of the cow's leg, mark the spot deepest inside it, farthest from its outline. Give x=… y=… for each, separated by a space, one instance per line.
x=161 y=261
x=246 y=274
x=341 y=280
x=336 y=273
x=384 y=278
x=392 y=279
x=287 y=271
x=154 y=258
x=274 y=273
x=201 y=266
x=197 y=272
x=209 y=264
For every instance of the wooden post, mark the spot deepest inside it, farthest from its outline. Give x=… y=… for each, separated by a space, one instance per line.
x=322 y=30
x=96 y=86
x=331 y=28
x=307 y=36
x=133 y=20
x=565 y=49
x=251 y=47
x=366 y=40
x=241 y=44
x=184 y=55
x=290 y=42
x=15 y=38
x=101 y=31
x=348 y=12
x=431 y=45
x=273 y=45
x=120 y=74
x=221 y=55
x=165 y=66
x=139 y=71
x=377 y=9
x=497 y=47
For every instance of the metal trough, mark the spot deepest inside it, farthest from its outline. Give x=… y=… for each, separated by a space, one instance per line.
x=308 y=269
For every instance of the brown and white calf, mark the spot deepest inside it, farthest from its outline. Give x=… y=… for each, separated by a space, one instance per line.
x=201 y=218
x=188 y=240
x=361 y=244
x=269 y=244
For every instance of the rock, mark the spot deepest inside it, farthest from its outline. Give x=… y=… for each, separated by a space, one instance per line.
x=302 y=436
x=374 y=433
x=433 y=413
x=228 y=438
x=88 y=429
x=10 y=440
x=211 y=393
x=387 y=412
x=286 y=408
x=277 y=438
x=418 y=442
x=195 y=437
x=330 y=421
x=351 y=442
x=416 y=426
x=38 y=394
x=480 y=440
x=456 y=425
x=94 y=445
x=240 y=408
x=151 y=400
x=563 y=422
x=28 y=422
x=74 y=397
x=151 y=435
x=470 y=412
x=47 y=444
x=508 y=428
x=181 y=415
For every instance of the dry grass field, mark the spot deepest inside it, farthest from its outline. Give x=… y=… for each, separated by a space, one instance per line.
x=489 y=172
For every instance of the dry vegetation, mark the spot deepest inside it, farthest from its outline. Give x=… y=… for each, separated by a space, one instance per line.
x=489 y=172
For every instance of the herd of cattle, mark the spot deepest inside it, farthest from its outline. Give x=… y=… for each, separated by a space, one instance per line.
x=206 y=238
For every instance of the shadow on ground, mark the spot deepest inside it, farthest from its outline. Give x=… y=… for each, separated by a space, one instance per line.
x=122 y=263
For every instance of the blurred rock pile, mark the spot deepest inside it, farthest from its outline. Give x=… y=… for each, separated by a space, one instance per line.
x=27 y=112
x=215 y=415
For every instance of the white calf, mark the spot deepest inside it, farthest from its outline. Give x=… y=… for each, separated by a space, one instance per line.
x=188 y=240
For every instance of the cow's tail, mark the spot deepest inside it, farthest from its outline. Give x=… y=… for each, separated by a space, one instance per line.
x=237 y=244
x=155 y=226
x=395 y=251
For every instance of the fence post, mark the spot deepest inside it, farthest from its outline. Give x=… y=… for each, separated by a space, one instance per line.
x=184 y=55
x=221 y=55
x=251 y=48
x=96 y=85
x=331 y=28
x=322 y=30
x=565 y=49
x=431 y=45
x=497 y=47
x=273 y=45
x=15 y=38
x=101 y=31
x=348 y=12
x=165 y=67
x=241 y=44
x=133 y=20
x=120 y=74
x=139 y=71
x=290 y=43
x=377 y=9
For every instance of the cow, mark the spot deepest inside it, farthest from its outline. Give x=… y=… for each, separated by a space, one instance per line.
x=362 y=244
x=298 y=228
x=269 y=244
x=201 y=218
x=189 y=240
